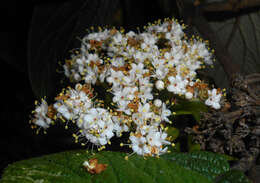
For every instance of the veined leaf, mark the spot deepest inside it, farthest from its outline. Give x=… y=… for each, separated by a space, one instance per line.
x=233 y=176
x=206 y=163
x=192 y=146
x=173 y=132
x=212 y=165
x=66 y=167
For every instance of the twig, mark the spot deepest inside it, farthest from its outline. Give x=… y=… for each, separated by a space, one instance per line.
x=231 y=5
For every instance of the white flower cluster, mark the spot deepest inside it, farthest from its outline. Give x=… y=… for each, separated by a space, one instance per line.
x=135 y=66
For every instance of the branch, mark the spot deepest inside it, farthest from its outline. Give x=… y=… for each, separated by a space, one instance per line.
x=231 y=5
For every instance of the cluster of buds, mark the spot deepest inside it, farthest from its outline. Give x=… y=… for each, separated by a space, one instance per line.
x=135 y=69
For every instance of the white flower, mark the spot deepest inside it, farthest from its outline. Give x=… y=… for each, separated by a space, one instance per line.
x=203 y=52
x=75 y=75
x=148 y=40
x=117 y=38
x=145 y=94
x=130 y=34
x=137 y=70
x=139 y=56
x=144 y=129
x=213 y=99
x=115 y=78
x=144 y=111
x=117 y=62
x=40 y=115
x=66 y=70
x=90 y=77
x=97 y=126
x=139 y=145
x=119 y=125
x=63 y=110
x=161 y=72
x=156 y=138
x=165 y=113
x=122 y=106
x=177 y=85
x=74 y=103
x=125 y=94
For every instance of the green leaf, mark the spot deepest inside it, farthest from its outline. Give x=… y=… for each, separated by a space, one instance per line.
x=232 y=176
x=206 y=163
x=173 y=132
x=66 y=167
x=192 y=146
x=194 y=108
x=175 y=148
x=228 y=157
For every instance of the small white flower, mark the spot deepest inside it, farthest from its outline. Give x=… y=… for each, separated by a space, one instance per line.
x=97 y=126
x=137 y=70
x=125 y=94
x=118 y=38
x=90 y=77
x=145 y=94
x=144 y=111
x=119 y=126
x=177 y=85
x=165 y=113
x=213 y=99
x=40 y=115
x=115 y=77
x=139 y=145
x=156 y=138
x=63 y=110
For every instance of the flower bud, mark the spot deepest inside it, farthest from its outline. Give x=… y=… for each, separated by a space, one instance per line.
x=188 y=95
x=157 y=102
x=159 y=85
